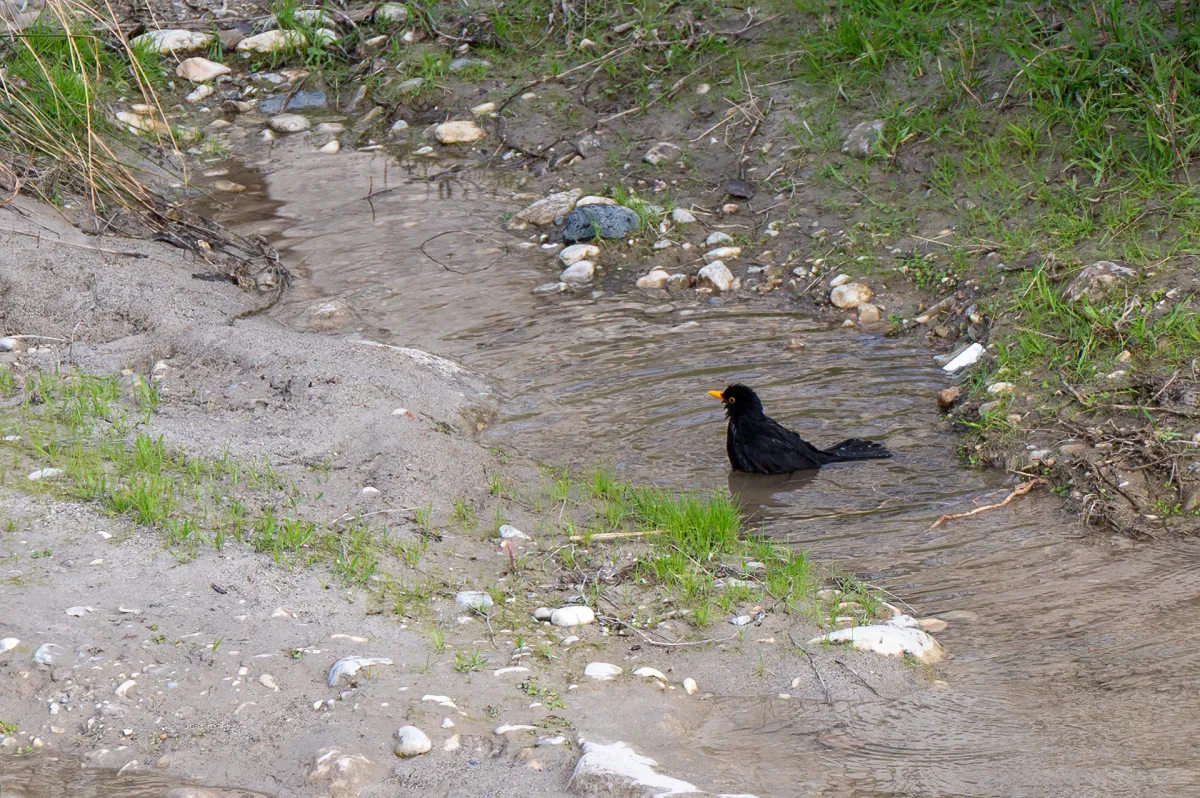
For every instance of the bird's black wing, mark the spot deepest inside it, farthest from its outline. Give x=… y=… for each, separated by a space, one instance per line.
x=763 y=446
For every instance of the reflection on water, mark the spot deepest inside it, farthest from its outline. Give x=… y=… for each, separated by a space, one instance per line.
x=48 y=776
x=1073 y=665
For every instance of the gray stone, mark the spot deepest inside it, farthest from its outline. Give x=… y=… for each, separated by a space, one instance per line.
x=861 y=141
x=273 y=104
x=546 y=211
x=1096 y=280
x=412 y=742
x=459 y=64
x=661 y=153
x=606 y=221
x=581 y=271
x=289 y=123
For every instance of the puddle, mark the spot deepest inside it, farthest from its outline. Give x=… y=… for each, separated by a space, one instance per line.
x=1072 y=667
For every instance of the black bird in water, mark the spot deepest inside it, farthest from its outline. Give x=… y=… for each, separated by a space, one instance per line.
x=759 y=445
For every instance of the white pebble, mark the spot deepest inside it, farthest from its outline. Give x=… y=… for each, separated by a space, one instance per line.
x=573 y=616
x=690 y=686
x=412 y=742
x=602 y=671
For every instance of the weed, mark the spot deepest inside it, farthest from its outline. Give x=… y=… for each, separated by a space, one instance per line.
x=468 y=663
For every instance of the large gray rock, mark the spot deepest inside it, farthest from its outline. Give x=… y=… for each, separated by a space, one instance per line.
x=605 y=221
x=615 y=769
x=1096 y=280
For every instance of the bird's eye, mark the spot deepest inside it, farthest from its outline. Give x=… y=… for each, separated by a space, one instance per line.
x=732 y=400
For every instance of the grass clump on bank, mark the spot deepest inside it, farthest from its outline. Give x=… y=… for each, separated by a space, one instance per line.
x=686 y=548
x=93 y=431
x=56 y=135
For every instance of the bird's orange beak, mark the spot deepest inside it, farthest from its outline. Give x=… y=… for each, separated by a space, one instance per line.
x=717 y=395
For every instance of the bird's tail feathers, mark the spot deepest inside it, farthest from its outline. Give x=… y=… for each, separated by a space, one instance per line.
x=857 y=449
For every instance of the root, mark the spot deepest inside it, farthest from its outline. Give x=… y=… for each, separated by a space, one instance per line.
x=1020 y=490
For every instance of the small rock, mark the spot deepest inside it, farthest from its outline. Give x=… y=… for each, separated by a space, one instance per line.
x=868 y=313
x=331 y=147
x=661 y=244
x=412 y=742
x=7 y=644
x=657 y=278
x=510 y=532
x=645 y=672
x=579 y=272
x=723 y=253
x=503 y=729
x=484 y=109
x=45 y=653
x=201 y=70
x=1096 y=280
x=173 y=41
x=606 y=221
x=602 y=671
x=440 y=700
x=544 y=741
x=840 y=279
x=8 y=344
x=573 y=616
x=681 y=216
x=230 y=37
x=594 y=200
x=661 y=153
x=473 y=600
x=546 y=211
x=369 y=491
x=346 y=668
x=616 y=769
x=861 y=141
x=508 y=670
x=460 y=64
x=391 y=12
x=459 y=132
x=850 y=295
x=78 y=612
x=45 y=473
x=426 y=150
x=123 y=689
x=289 y=123
x=228 y=186
x=275 y=40
x=268 y=681
x=347 y=775
x=898 y=636
x=398 y=127
x=690 y=686
x=1000 y=388
x=718 y=238
x=948 y=396
x=966 y=357
x=578 y=252
x=739 y=189
x=551 y=288
x=543 y=613
x=141 y=124
x=716 y=275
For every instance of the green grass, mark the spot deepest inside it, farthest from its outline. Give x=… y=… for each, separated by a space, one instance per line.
x=93 y=429
x=687 y=540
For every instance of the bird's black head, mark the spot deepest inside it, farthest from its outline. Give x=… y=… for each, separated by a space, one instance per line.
x=739 y=401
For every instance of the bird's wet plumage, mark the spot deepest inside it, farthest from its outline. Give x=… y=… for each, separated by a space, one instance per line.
x=758 y=444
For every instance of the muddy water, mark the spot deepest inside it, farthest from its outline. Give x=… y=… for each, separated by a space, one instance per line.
x=1073 y=664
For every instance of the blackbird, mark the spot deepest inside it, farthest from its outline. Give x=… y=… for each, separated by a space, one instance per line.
x=760 y=445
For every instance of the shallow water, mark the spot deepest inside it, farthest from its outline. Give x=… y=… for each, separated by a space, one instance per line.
x=1072 y=666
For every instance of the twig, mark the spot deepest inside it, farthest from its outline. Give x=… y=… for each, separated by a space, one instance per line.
x=76 y=246
x=653 y=642
x=1020 y=490
x=613 y=535
x=854 y=673
x=812 y=664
